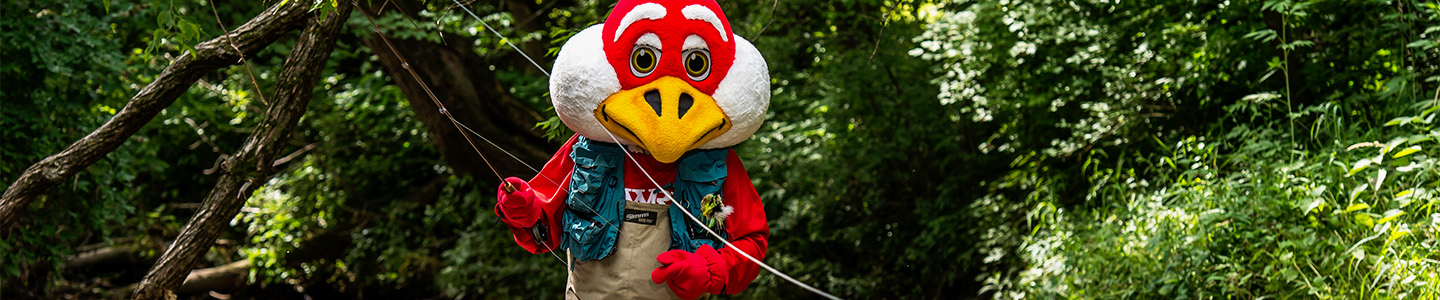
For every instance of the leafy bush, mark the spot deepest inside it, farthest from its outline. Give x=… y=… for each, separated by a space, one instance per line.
x=1278 y=193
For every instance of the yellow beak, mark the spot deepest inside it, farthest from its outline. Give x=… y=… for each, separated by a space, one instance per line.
x=667 y=117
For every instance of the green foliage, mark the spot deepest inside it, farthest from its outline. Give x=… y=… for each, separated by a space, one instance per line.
x=857 y=163
x=1186 y=171
x=67 y=67
x=913 y=149
x=1235 y=217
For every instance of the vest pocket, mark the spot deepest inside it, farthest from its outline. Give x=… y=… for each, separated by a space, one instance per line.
x=594 y=205
x=586 y=186
x=593 y=239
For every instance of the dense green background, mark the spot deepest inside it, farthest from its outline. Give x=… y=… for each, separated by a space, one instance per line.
x=913 y=149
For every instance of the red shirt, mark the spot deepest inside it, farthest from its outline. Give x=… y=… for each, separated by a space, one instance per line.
x=747 y=226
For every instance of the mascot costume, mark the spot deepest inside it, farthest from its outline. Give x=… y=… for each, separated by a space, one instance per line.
x=669 y=83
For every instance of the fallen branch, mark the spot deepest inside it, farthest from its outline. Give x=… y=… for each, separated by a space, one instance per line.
x=225 y=278
x=228 y=277
x=102 y=256
x=250 y=38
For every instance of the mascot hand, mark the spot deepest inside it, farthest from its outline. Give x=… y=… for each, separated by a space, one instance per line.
x=517 y=207
x=691 y=274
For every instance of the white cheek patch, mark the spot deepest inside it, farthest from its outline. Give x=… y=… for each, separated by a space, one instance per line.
x=647 y=11
x=744 y=95
x=701 y=13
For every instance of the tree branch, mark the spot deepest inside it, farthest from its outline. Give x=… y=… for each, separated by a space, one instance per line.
x=252 y=165
x=250 y=38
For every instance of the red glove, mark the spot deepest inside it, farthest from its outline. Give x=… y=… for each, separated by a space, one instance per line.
x=519 y=208
x=691 y=274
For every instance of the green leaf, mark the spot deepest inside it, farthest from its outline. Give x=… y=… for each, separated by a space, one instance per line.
x=1357 y=190
x=1356 y=206
x=1398 y=121
x=165 y=19
x=1379 y=179
x=1359 y=165
x=1314 y=204
x=1407 y=151
x=155 y=38
x=1391 y=215
x=1390 y=146
x=1365 y=220
x=1398 y=233
x=1407 y=168
x=1262 y=35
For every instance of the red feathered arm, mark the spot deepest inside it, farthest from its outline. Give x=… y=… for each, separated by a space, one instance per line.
x=549 y=191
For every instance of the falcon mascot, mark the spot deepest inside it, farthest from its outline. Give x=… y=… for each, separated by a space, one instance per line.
x=671 y=84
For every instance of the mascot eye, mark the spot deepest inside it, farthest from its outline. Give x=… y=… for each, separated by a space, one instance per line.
x=643 y=60
x=697 y=64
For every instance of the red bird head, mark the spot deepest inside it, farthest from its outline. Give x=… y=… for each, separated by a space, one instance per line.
x=666 y=76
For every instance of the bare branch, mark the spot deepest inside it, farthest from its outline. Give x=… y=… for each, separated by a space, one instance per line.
x=295 y=154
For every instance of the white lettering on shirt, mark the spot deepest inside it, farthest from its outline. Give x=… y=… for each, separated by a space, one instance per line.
x=649 y=196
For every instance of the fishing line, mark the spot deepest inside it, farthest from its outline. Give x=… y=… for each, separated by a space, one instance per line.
x=522 y=162
x=628 y=155
x=502 y=37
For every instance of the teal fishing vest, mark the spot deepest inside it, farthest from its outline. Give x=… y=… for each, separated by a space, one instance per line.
x=596 y=203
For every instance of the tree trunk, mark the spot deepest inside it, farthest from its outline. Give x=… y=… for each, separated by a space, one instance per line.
x=251 y=166
x=216 y=53
x=461 y=79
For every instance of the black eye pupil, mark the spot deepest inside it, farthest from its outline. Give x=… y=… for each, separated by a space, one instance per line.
x=696 y=64
x=644 y=60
